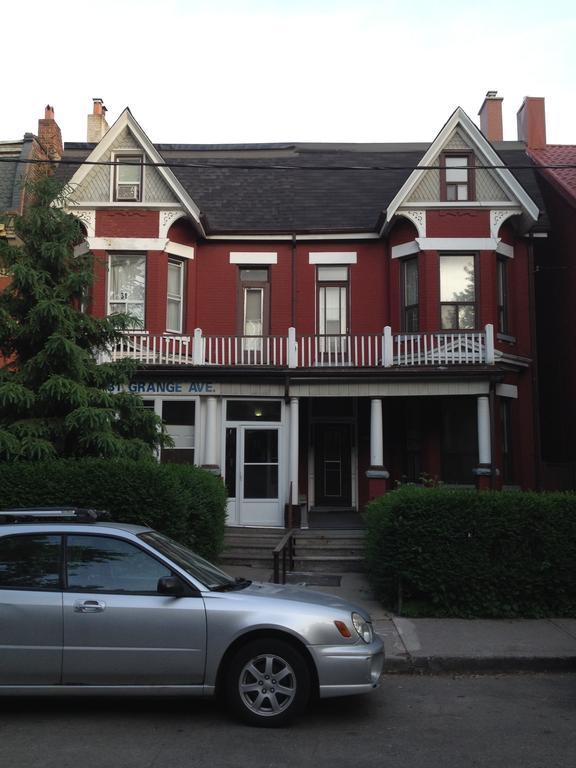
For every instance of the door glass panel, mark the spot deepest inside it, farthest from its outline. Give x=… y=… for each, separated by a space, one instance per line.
x=30 y=562
x=102 y=564
x=230 y=468
x=261 y=464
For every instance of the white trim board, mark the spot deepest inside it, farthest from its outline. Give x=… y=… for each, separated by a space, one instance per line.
x=339 y=257
x=240 y=257
x=127 y=243
x=177 y=249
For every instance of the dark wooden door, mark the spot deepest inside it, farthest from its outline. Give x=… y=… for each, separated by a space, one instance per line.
x=332 y=465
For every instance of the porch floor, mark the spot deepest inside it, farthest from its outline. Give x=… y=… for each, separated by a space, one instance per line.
x=335 y=518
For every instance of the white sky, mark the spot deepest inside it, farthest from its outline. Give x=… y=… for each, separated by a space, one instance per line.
x=201 y=71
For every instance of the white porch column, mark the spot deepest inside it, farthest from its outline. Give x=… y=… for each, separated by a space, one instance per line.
x=210 y=454
x=376 y=436
x=484 y=451
x=294 y=411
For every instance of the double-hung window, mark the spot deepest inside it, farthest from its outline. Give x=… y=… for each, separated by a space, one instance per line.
x=410 y=295
x=332 y=300
x=127 y=285
x=502 y=294
x=128 y=173
x=457 y=177
x=458 y=291
x=254 y=307
x=174 y=296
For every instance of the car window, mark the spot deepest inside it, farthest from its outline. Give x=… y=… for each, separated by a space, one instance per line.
x=30 y=562
x=106 y=564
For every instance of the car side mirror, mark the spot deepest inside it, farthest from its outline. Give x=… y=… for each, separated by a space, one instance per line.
x=170 y=585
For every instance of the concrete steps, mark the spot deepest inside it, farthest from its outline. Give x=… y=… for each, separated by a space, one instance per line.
x=316 y=551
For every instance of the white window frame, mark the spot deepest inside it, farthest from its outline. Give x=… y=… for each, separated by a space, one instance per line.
x=173 y=297
x=127 y=302
x=136 y=153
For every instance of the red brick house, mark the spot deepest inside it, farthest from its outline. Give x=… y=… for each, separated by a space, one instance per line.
x=555 y=282
x=318 y=322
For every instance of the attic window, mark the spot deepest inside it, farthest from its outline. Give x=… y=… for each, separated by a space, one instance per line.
x=128 y=171
x=457 y=177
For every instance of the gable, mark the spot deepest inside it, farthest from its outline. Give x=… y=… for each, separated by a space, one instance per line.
x=459 y=128
x=488 y=189
x=96 y=185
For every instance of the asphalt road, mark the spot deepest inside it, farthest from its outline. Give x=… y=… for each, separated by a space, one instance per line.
x=508 y=721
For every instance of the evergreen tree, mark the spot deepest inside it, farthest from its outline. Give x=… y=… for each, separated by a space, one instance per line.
x=55 y=398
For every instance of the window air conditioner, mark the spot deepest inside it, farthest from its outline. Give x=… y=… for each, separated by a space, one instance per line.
x=128 y=192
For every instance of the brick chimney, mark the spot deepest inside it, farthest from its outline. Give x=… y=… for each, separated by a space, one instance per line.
x=49 y=134
x=491 y=116
x=531 y=119
x=97 y=125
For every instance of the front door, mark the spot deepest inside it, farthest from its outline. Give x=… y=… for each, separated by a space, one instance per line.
x=332 y=465
x=252 y=474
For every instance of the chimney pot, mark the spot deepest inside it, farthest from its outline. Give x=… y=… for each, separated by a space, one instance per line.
x=98 y=106
x=491 y=116
x=531 y=121
x=49 y=112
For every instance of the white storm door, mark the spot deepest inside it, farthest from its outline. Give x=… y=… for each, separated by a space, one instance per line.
x=258 y=491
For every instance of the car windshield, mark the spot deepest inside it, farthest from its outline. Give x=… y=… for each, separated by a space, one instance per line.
x=211 y=576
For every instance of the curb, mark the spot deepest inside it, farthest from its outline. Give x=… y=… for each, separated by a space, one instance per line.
x=437 y=665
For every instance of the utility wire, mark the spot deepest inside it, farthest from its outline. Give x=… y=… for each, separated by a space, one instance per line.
x=280 y=167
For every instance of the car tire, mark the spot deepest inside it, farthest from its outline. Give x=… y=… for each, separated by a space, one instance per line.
x=267 y=683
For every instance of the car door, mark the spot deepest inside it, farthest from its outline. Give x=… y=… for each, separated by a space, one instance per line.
x=30 y=609
x=118 y=630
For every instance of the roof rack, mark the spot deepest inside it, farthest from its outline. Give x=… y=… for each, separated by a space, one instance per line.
x=53 y=514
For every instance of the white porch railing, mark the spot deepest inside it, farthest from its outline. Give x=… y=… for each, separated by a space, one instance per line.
x=382 y=350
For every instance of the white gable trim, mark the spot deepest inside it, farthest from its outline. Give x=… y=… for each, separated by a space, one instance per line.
x=126 y=119
x=460 y=119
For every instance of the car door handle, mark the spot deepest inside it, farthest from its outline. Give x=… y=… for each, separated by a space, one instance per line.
x=89 y=606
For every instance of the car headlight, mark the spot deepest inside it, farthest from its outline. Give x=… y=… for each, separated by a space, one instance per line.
x=363 y=627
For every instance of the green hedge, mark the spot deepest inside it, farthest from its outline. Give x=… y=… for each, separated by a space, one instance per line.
x=462 y=553
x=184 y=502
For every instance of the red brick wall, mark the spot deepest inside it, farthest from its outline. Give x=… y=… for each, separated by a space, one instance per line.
x=121 y=222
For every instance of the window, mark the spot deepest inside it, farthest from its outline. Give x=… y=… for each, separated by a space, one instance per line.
x=30 y=562
x=127 y=285
x=457 y=292
x=332 y=300
x=506 y=440
x=410 y=295
x=457 y=177
x=174 y=297
x=502 y=294
x=254 y=308
x=179 y=417
x=128 y=171
x=105 y=564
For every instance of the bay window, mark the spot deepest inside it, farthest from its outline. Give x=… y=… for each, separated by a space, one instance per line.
x=127 y=285
x=410 y=295
x=457 y=291
x=174 y=296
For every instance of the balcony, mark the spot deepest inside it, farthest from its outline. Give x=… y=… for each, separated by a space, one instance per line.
x=378 y=350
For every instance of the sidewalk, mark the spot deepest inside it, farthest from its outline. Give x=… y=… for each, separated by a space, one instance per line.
x=455 y=645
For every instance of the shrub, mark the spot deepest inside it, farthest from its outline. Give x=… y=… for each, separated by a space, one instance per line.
x=473 y=554
x=183 y=502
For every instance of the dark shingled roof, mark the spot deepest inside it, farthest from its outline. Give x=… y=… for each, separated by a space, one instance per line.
x=284 y=188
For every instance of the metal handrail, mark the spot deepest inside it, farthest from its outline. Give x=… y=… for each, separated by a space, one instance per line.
x=284 y=550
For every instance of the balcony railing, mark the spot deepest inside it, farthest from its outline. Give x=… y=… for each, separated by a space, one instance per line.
x=382 y=350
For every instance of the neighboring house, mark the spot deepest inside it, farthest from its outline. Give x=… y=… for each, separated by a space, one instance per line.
x=19 y=164
x=556 y=308
x=318 y=322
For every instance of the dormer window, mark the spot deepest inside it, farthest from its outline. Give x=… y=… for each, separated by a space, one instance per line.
x=128 y=172
x=457 y=177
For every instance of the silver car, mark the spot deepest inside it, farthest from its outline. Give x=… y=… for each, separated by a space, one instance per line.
x=89 y=606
